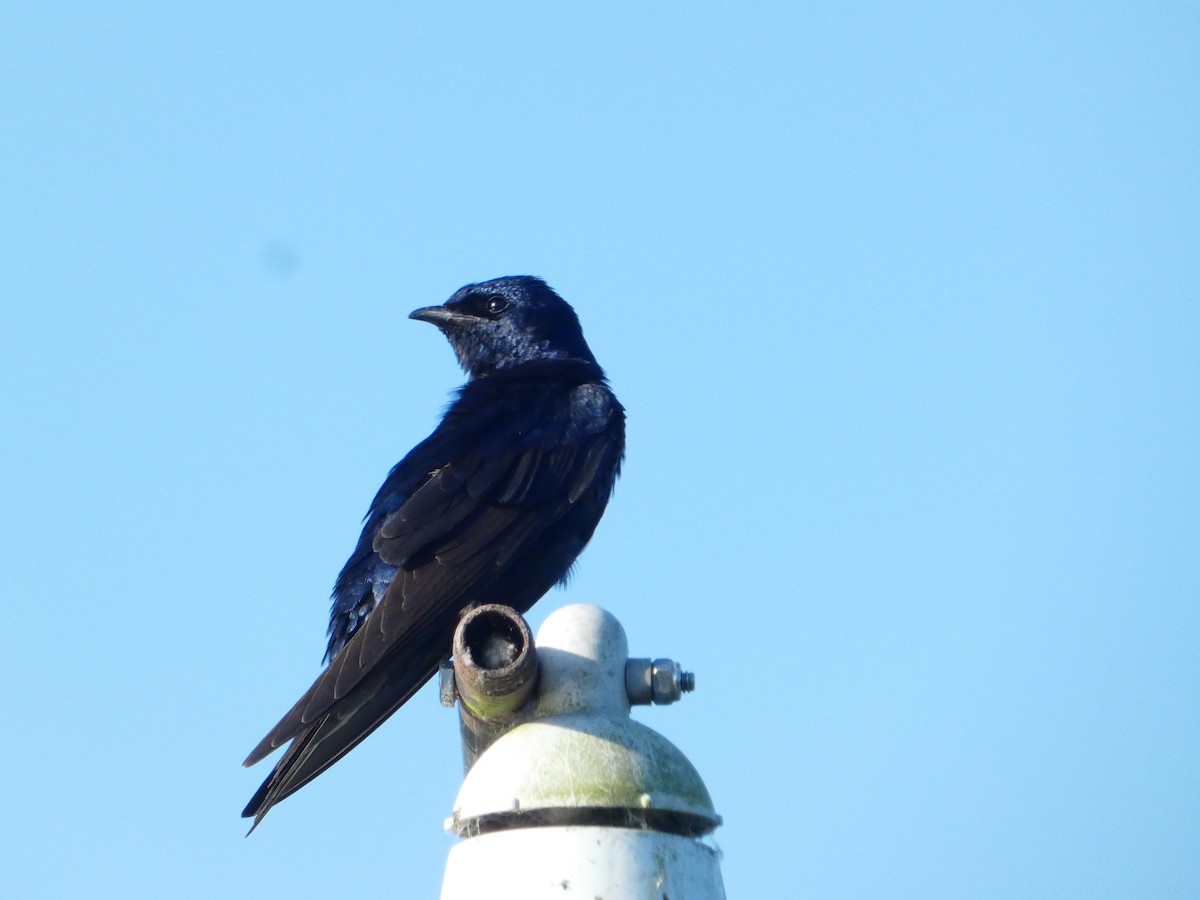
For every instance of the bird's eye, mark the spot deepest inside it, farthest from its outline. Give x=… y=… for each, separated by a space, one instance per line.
x=495 y=304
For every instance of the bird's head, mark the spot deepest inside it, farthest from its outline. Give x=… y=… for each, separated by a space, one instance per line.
x=504 y=322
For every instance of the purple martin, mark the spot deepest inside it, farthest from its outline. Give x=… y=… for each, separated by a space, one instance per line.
x=494 y=506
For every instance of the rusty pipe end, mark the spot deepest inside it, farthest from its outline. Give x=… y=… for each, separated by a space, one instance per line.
x=495 y=661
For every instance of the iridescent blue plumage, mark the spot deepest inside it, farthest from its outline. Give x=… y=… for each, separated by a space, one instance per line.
x=494 y=506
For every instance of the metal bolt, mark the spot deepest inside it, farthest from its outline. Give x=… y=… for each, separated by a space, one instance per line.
x=447 y=689
x=659 y=681
x=665 y=679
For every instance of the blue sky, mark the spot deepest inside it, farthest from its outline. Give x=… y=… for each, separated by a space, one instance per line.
x=902 y=301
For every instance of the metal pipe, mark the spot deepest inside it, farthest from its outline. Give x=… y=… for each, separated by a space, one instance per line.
x=495 y=671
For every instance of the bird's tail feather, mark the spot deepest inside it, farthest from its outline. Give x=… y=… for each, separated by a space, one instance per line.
x=337 y=733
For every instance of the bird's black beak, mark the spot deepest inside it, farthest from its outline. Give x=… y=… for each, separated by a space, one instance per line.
x=436 y=315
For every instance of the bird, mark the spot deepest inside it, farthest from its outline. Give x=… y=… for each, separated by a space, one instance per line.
x=494 y=506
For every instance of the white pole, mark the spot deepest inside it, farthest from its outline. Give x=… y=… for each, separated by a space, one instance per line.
x=581 y=800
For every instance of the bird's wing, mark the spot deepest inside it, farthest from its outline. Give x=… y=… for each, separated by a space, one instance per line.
x=451 y=539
